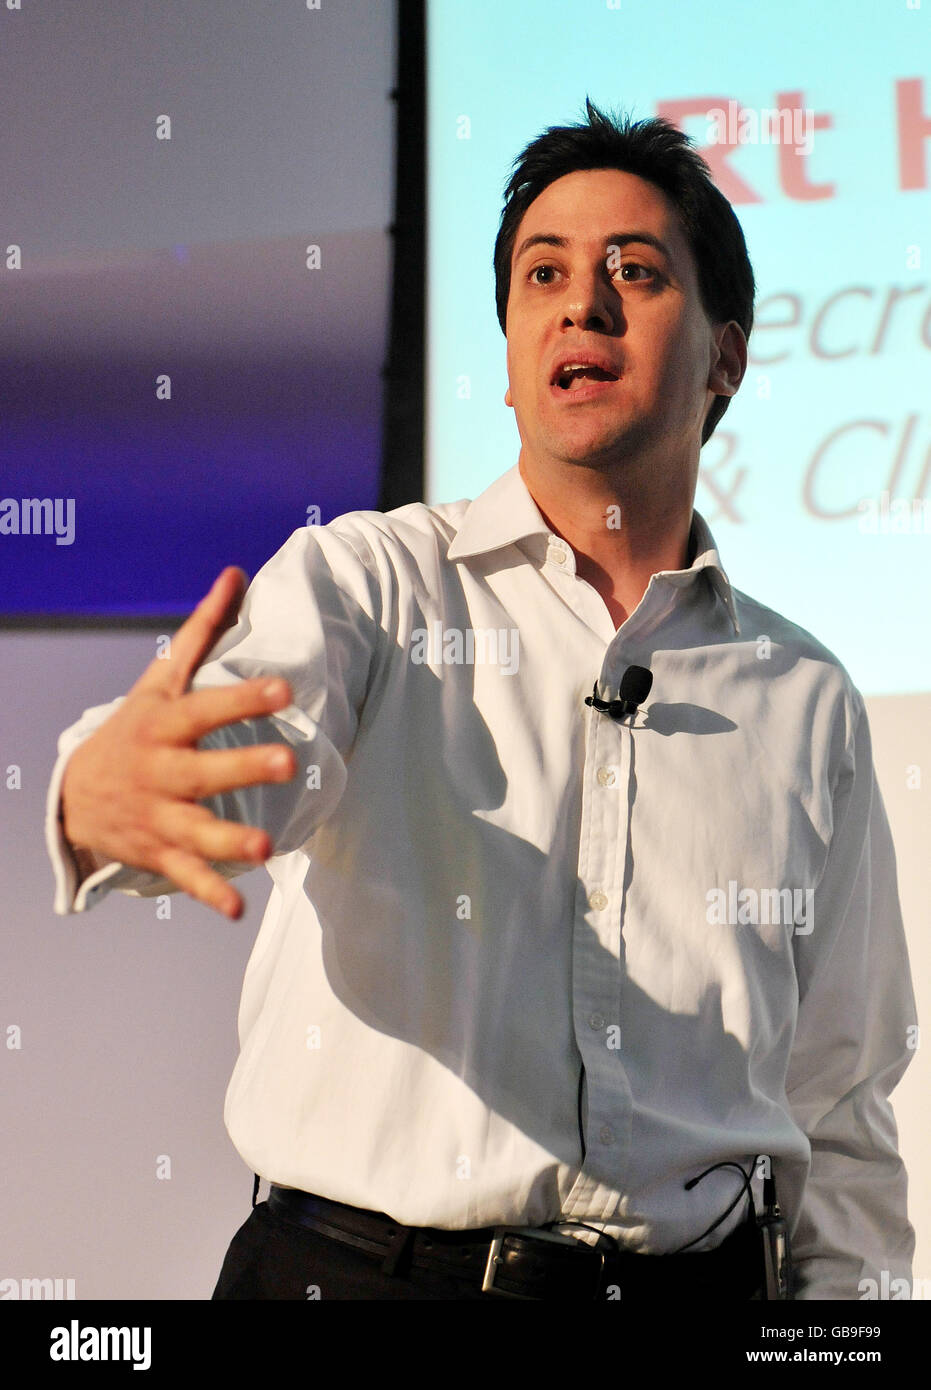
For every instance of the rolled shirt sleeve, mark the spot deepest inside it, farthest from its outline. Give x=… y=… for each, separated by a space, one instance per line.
x=854 y=1039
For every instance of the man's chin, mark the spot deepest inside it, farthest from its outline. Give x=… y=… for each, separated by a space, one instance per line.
x=600 y=450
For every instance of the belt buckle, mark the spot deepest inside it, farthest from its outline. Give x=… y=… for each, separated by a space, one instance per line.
x=495 y=1260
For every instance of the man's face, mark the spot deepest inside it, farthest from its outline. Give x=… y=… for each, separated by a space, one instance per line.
x=607 y=290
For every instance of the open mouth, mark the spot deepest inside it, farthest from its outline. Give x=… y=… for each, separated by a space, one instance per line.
x=573 y=379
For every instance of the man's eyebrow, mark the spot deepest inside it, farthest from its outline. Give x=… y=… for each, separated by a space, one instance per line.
x=619 y=239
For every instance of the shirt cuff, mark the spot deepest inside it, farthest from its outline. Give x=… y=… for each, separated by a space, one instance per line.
x=71 y=893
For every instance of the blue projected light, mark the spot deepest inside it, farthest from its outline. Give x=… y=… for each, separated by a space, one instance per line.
x=192 y=319
x=817 y=482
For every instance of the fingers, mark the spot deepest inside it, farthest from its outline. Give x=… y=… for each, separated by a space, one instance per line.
x=187 y=774
x=132 y=790
x=198 y=837
x=216 y=612
x=197 y=832
x=186 y=720
x=197 y=879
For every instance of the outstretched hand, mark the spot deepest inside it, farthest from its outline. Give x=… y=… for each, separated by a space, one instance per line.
x=130 y=790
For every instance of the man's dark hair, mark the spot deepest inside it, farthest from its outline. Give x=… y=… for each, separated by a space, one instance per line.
x=657 y=151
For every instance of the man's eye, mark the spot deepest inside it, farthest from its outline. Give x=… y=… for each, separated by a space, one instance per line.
x=645 y=273
x=634 y=265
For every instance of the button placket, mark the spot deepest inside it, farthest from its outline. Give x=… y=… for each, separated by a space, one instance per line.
x=597 y=960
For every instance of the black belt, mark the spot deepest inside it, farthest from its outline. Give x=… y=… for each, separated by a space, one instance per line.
x=521 y=1263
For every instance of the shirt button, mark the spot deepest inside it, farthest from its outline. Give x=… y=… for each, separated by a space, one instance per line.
x=606 y=1134
x=606 y=776
x=559 y=557
x=598 y=901
x=596 y=1021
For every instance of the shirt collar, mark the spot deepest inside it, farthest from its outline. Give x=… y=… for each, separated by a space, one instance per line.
x=506 y=513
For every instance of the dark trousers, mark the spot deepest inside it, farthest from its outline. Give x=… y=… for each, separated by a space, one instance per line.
x=271 y=1257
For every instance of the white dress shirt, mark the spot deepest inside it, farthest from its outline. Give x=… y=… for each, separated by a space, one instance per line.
x=523 y=962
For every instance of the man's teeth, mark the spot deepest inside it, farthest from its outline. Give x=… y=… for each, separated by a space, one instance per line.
x=574 y=371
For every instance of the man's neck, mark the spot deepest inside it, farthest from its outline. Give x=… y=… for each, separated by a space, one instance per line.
x=621 y=536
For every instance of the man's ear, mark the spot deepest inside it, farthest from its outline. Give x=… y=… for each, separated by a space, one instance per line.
x=730 y=364
x=507 y=397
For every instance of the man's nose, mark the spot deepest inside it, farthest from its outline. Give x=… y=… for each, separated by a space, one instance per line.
x=592 y=303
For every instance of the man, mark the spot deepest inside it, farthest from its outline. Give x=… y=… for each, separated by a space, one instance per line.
x=568 y=969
